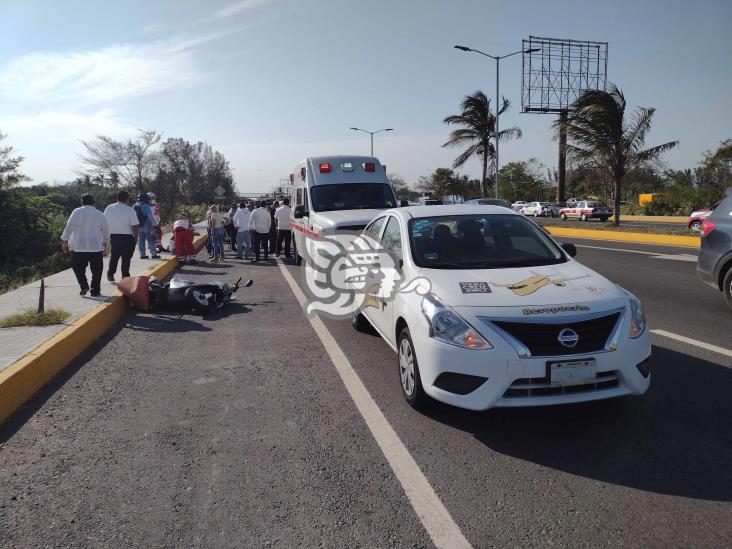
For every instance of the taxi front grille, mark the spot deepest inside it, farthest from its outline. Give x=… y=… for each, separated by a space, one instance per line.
x=541 y=339
x=540 y=386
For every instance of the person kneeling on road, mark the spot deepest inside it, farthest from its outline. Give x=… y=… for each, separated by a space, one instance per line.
x=183 y=238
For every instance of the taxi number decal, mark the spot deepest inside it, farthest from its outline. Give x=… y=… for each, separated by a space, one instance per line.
x=475 y=288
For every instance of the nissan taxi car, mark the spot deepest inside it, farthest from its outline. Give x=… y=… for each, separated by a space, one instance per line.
x=509 y=319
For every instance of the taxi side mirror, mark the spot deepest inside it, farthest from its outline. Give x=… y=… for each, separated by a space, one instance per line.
x=300 y=212
x=570 y=248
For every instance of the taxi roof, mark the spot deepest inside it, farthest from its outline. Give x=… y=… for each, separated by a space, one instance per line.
x=451 y=209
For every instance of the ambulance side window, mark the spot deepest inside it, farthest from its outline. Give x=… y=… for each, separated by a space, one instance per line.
x=298 y=197
x=305 y=199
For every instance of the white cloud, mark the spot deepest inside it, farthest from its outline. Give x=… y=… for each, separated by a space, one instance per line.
x=236 y=7
x=106 y=74
x=66 y=124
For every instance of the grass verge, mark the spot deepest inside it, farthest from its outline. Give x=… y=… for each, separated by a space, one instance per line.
x=31 y=317
x=608 y=226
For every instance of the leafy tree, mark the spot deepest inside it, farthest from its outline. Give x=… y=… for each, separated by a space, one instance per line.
x=601 y=137
x=9 y=174
x=478 y=132
x=132 y=161
x=715 y=170
x=524 y=180
x=401 y=189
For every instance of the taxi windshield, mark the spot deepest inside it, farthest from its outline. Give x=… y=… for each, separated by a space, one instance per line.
x=490 y=241
x=352 y=196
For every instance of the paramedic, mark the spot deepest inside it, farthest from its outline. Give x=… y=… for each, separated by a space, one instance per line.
x=243 y=236
x=86 y=236
x=123 y=227
x=259 y=225
x=284 y=232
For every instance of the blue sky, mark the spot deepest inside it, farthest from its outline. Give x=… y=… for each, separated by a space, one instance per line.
x=268 y=82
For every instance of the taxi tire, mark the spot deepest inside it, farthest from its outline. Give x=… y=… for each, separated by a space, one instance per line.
x=563 y=216
x=727 y=287
x=419 y=400
x=583 y=217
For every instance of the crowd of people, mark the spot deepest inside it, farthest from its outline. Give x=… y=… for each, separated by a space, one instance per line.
x=90 y=235
x=253 y=228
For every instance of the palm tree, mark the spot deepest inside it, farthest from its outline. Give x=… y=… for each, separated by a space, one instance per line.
x=478 y=132
x=602 y=137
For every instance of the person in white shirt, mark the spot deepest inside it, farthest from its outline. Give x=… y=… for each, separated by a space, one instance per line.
x=86 y=236
x=243 y=236
x=259 y=225
x=284 y=232
x=123 y=228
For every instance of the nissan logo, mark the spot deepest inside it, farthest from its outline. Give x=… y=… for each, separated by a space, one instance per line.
x=568 y=337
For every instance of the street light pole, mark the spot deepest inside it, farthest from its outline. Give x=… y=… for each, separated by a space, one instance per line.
x=497 y=59
x=372 y=135
x=498 y=110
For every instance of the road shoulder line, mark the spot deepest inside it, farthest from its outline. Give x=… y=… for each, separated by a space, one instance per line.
x=433 y=514
x=694 y=342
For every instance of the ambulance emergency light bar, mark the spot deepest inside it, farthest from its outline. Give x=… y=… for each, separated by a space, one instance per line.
x=325 y=167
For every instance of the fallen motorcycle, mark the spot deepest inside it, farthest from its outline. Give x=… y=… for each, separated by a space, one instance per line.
x=147 y=293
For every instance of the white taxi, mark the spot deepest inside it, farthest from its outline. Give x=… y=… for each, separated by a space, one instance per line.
x=510 y=318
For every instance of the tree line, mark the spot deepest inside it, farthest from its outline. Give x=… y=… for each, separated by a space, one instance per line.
x=182 y=174
x=607 y=154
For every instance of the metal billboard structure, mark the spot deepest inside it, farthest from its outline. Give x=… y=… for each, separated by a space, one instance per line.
x=555 y=72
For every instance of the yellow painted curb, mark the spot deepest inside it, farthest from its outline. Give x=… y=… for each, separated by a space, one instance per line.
x=22 y=379
x=655 y=218
x=622 y=236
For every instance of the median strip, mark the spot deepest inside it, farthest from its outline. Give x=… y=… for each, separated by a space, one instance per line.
x=623 y=236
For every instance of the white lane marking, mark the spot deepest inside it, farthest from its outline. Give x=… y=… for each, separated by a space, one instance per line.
x=695 y=342
x=654 y=255
x=431 y=511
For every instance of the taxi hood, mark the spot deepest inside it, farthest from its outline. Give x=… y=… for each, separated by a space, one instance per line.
x=563 y=285
x=350 y=219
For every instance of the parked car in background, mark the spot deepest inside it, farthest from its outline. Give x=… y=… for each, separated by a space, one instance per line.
x=714 y=265
x=696 y=218
x=572 y=202
x=536 y=209
x=586 y=210
x=554 y=209
x=489 y=202
x=516 y=206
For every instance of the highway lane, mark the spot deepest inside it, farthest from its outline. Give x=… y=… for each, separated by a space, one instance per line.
x=236 y=430
x=585 y=474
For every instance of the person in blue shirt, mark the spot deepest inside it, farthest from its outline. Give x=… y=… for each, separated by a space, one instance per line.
x=147 y=233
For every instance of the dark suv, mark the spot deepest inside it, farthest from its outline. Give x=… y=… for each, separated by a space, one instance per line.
x=714 y=265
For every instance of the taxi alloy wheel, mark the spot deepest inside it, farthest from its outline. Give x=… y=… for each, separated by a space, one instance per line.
x=563 y=216
x=583 y=217
x=409 y=372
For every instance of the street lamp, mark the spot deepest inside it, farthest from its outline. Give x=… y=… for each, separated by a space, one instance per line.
x=372 y=135
x=497 y=59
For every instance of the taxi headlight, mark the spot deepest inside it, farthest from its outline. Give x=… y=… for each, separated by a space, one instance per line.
x=449 y=327
x=637 y=319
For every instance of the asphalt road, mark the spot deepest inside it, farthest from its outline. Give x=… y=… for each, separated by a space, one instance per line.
x=235 y=430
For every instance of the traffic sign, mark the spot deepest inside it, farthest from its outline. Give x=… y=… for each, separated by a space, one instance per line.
x=219 y=191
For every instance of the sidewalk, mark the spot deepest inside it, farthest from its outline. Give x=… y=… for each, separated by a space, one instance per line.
x=62 y=291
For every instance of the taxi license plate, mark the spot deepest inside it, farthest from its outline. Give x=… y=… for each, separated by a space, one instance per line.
x=576 y=372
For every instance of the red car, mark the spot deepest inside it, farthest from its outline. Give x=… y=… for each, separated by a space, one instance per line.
x=697 y=218
x=586 y=210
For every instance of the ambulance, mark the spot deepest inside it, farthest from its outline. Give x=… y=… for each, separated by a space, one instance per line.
x=330 y=194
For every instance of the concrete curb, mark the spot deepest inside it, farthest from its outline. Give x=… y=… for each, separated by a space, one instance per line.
x=22 y=379
x=622 y=236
